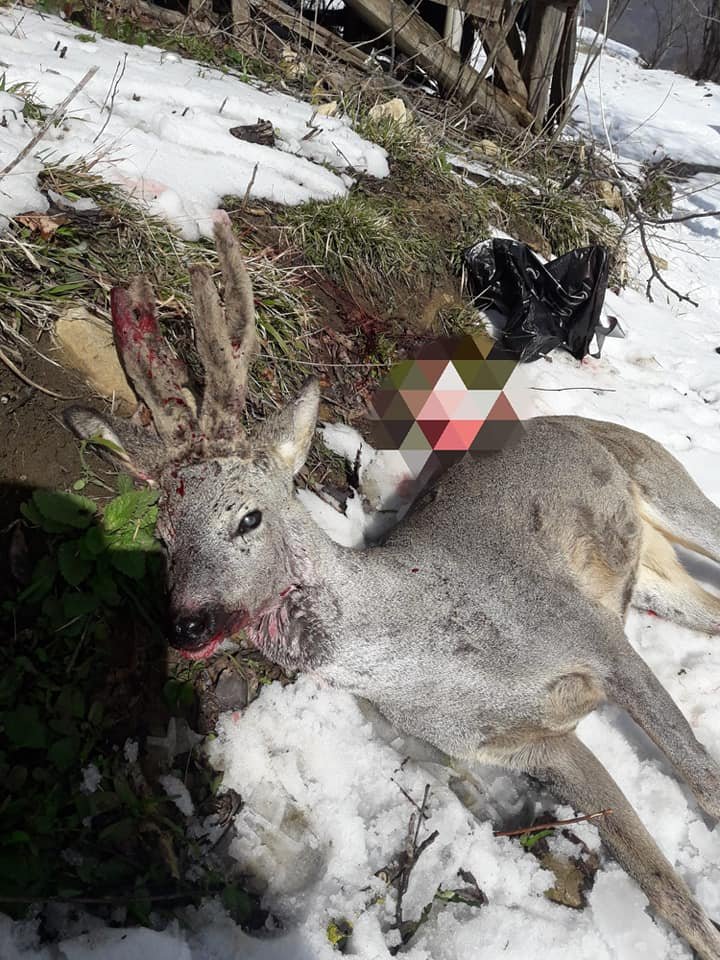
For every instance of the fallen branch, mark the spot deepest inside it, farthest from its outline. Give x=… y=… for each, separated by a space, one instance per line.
x=417 y=39
x=54 y=116
x=314 y=33
x=654 y=272
x=4 y=358
x=552 y=825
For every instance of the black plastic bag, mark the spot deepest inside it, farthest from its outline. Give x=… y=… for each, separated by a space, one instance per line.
x=543 y=306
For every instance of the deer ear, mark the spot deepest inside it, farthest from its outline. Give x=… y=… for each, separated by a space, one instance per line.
x=117 y=440
x=289 y=432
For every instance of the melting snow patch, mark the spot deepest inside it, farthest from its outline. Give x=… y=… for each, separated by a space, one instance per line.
x=160 y=127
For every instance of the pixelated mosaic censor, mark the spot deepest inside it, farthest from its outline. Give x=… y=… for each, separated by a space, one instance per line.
x=448 y=401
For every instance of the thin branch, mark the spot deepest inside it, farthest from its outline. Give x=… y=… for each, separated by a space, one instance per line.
x=4 y=358
x=654 y=272
x=553 y=824
x=561 y=389
x=111 y=94
x=51 y=119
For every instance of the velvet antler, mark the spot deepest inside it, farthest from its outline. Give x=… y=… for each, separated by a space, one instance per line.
x=226 y=337
x=159 y=378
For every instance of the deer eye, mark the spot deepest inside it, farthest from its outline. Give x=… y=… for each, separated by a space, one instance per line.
x=249 y=522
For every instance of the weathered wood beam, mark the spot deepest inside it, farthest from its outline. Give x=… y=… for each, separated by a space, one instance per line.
x=418 y=40
x=561 y=88
x=544 y=34
x=313 y=33
x=486 y=9
x=505 y=66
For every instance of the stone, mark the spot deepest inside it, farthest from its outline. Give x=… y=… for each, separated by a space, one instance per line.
x=327 y=109
x=394 y=109
x=86 y=343
x=610 y=196
x=489 y=148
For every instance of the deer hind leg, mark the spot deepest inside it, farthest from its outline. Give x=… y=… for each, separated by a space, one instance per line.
x=577 y=777
x=667 y=589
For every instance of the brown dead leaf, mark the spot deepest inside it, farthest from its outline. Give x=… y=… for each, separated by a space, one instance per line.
x=42 y=223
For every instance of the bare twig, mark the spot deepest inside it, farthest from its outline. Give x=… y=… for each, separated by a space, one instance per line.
x=654 y=272
x=111 y=94
x=552 y=824
x=4 y=358
x=561 y=389
x=250 y=185
x=51 y=119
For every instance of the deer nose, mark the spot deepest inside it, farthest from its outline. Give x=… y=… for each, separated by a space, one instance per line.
x=193 y=630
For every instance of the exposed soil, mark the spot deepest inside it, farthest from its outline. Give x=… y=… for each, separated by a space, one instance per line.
x=36 y=450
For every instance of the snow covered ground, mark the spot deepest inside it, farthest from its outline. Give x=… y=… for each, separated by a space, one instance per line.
x=326 y=799
x=159 y=125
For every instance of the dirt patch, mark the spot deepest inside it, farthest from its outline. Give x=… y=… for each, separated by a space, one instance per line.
x=36 y=448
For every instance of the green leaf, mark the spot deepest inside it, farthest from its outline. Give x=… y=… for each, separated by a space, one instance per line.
x=74 y=562
x=41 y=583
x=31 y=513
x=124 y=483
x=178 y=694
x=127 y=508
x=64 y=753
x=124 y=791
x=530 y=839
x=119 y=831
x=94 y=541
x=71 y=702
x=24 y=728
x=105 y=587
x=79 y=604
x=68 y=509
x=238 y=903
x=96 y=713
x=129 y=562
x=16 y=837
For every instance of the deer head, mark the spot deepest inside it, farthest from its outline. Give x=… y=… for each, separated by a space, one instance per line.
x=227 y=508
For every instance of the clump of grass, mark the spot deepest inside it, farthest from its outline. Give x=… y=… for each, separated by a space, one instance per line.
x=360 y=234
x=32 y=108
x=107 y=246
x=408 y=144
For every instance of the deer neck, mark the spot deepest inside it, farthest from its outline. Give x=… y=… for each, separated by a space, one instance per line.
x=296 y=629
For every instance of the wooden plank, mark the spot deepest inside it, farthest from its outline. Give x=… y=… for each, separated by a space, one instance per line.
x=504 y=65
x=418 y=40
x=313 y=33
x=544 y=34
x=485 y=9
x=561 y=88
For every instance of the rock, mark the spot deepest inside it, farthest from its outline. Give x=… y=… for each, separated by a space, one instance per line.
x=610 y=196
x=489 y=148
x=394 y=109
x=87 y=346
x=291 y=64
x=327 y=109
x=231 y=690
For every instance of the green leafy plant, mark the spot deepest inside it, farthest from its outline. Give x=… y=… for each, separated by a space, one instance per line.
x=94 y=574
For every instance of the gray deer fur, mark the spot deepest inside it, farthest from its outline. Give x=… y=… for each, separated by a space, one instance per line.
x=487 y=625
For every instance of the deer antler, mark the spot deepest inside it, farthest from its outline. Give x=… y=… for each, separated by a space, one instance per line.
x=159 y=378
x=226 y=337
